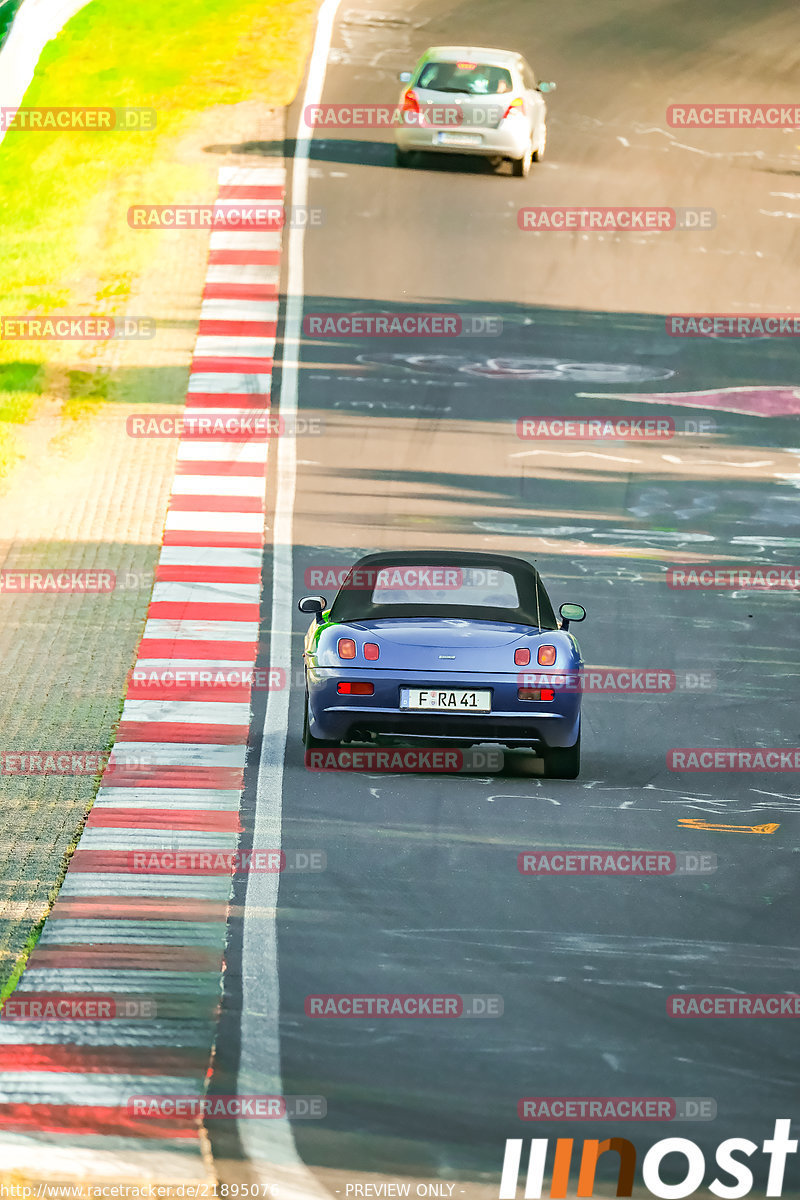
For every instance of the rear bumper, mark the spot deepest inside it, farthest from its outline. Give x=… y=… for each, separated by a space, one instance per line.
x=511 y=721
x=510 y=140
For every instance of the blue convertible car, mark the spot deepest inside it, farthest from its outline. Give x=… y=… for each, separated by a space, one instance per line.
x=446 y=647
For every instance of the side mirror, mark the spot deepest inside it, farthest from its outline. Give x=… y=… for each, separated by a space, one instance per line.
x=313 y=604
x=405 y=77
x=571 y=612
x=546 y=87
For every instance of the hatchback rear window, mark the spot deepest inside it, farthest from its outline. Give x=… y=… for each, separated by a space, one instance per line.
x=457 y=586
x=467 y=78
x=476 y=587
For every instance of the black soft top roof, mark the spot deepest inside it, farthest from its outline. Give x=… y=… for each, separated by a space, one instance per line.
x=354 y=603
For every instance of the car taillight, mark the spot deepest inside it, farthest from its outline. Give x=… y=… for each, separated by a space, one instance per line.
x=372 y=651
x=546 y=694
x=346 y=648
x=522 y=656
x=410 y=102
x=546 y=656
x=355 y=689
x=515 y=106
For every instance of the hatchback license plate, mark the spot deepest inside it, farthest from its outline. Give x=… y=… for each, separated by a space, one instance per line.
x=460 y=139
x=446 y=699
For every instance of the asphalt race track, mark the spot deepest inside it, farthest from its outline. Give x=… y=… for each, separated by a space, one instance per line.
x=419 y=449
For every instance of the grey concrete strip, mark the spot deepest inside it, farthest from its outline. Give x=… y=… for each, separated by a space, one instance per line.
x=205 y=593
x=212 y=556
x=117 y=982
x=59 y=1157
x=198 y=629
x=177 y=1033
x=156 y=933
x=133 y=838
x=180 y=754
x=120 y=883
x=71 y=1087
x=190 y=798
x=200 y=712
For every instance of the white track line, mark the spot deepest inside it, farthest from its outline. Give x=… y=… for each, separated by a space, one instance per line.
x=273 y=1153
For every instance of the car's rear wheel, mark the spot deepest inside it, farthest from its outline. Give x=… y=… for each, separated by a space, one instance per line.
x=538 y=153
x=309 y=741
x=521 y=166
x=563 y=763
x=402 y=158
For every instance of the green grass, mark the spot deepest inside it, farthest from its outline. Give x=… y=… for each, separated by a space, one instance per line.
x=9 y=985
x=20 y=389
x=8 y=10
x=64 y=241
x=19 y=383
x=19 y=966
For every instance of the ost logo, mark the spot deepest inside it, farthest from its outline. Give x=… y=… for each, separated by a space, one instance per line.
x=777 y=1149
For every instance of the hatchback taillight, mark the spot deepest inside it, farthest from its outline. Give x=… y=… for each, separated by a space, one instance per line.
x=546 y=694
x=516 y=106
x=355 y=689
x=346 y=648
x=410 y=102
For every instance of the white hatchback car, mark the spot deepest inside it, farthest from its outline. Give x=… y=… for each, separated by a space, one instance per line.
x=473 y=100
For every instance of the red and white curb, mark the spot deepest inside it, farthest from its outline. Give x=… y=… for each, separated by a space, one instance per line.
x=173 y=783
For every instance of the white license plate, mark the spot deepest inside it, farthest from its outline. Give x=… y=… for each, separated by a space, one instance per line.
x=460 y=139
x=446 y=699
